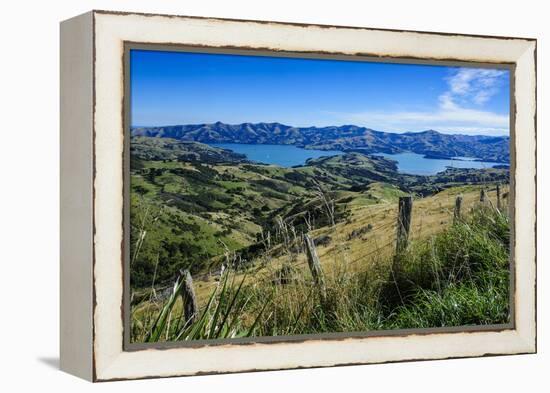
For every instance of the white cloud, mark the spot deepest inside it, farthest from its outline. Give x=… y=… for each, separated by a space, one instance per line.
x=448 y=118
x=459 y=108
x=475 y=85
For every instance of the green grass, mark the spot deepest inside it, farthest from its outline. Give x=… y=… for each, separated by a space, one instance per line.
x=190 y=193
x=460 y=277
x=457 y=277
x=219 y=319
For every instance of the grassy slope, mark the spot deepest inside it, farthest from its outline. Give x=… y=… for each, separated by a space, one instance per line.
x=455 y=274
x=203 y=210
x=430 y=216
x=208 y=208
x=205 y=213
x=195 y=215
x=368 y=257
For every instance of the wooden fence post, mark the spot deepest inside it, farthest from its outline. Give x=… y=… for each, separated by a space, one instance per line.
x=458 y=208
x=315 y=266
x=403 y=223
x=188 y=297
x=498 y=197
x=482 y=195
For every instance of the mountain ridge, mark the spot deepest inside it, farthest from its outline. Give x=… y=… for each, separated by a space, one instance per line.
x=431 y=143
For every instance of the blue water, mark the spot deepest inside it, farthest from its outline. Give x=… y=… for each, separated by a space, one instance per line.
x=288 y=156
x=416 y=164
x=282 y=155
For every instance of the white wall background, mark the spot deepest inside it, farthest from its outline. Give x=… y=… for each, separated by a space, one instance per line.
x=29 y=209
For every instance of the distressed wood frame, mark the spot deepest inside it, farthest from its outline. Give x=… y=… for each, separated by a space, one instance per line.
x=92 y=195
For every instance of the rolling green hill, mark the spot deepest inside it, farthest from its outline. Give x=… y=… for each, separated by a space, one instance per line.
x=239 y=226
x=191 y=203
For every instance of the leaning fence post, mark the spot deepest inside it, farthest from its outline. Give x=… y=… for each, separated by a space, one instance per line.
x=498 y=197
x=482 y=195
x=458 y=208
x=403 y=223
x=188 y=297
x=315 y=266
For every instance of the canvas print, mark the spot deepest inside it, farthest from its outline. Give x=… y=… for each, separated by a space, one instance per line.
x=285 y=196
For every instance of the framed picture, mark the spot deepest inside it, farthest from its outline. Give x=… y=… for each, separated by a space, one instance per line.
x=245 y=195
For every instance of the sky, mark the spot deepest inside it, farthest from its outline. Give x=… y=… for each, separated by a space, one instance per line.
x=171 y=88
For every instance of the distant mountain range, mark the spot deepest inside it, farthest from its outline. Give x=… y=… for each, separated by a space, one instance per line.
x=348 y=138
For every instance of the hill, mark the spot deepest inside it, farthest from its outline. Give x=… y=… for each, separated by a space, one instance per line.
x=454 y=273
x=195 y=202
x=225 y=221
x=168 y=149
x=345 y=138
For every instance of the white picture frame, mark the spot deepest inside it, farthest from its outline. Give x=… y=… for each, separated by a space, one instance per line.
x=92 y=195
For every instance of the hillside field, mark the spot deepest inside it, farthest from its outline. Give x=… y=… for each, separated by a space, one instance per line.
x=238 y=227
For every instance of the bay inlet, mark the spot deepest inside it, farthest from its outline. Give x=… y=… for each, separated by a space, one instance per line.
x=289 y=155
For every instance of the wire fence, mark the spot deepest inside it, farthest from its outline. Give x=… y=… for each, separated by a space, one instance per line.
x=269 y=273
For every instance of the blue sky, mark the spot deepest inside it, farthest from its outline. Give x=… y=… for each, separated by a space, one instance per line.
x=169 y=88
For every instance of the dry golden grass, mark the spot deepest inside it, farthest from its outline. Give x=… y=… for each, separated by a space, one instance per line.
x=430 y=215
